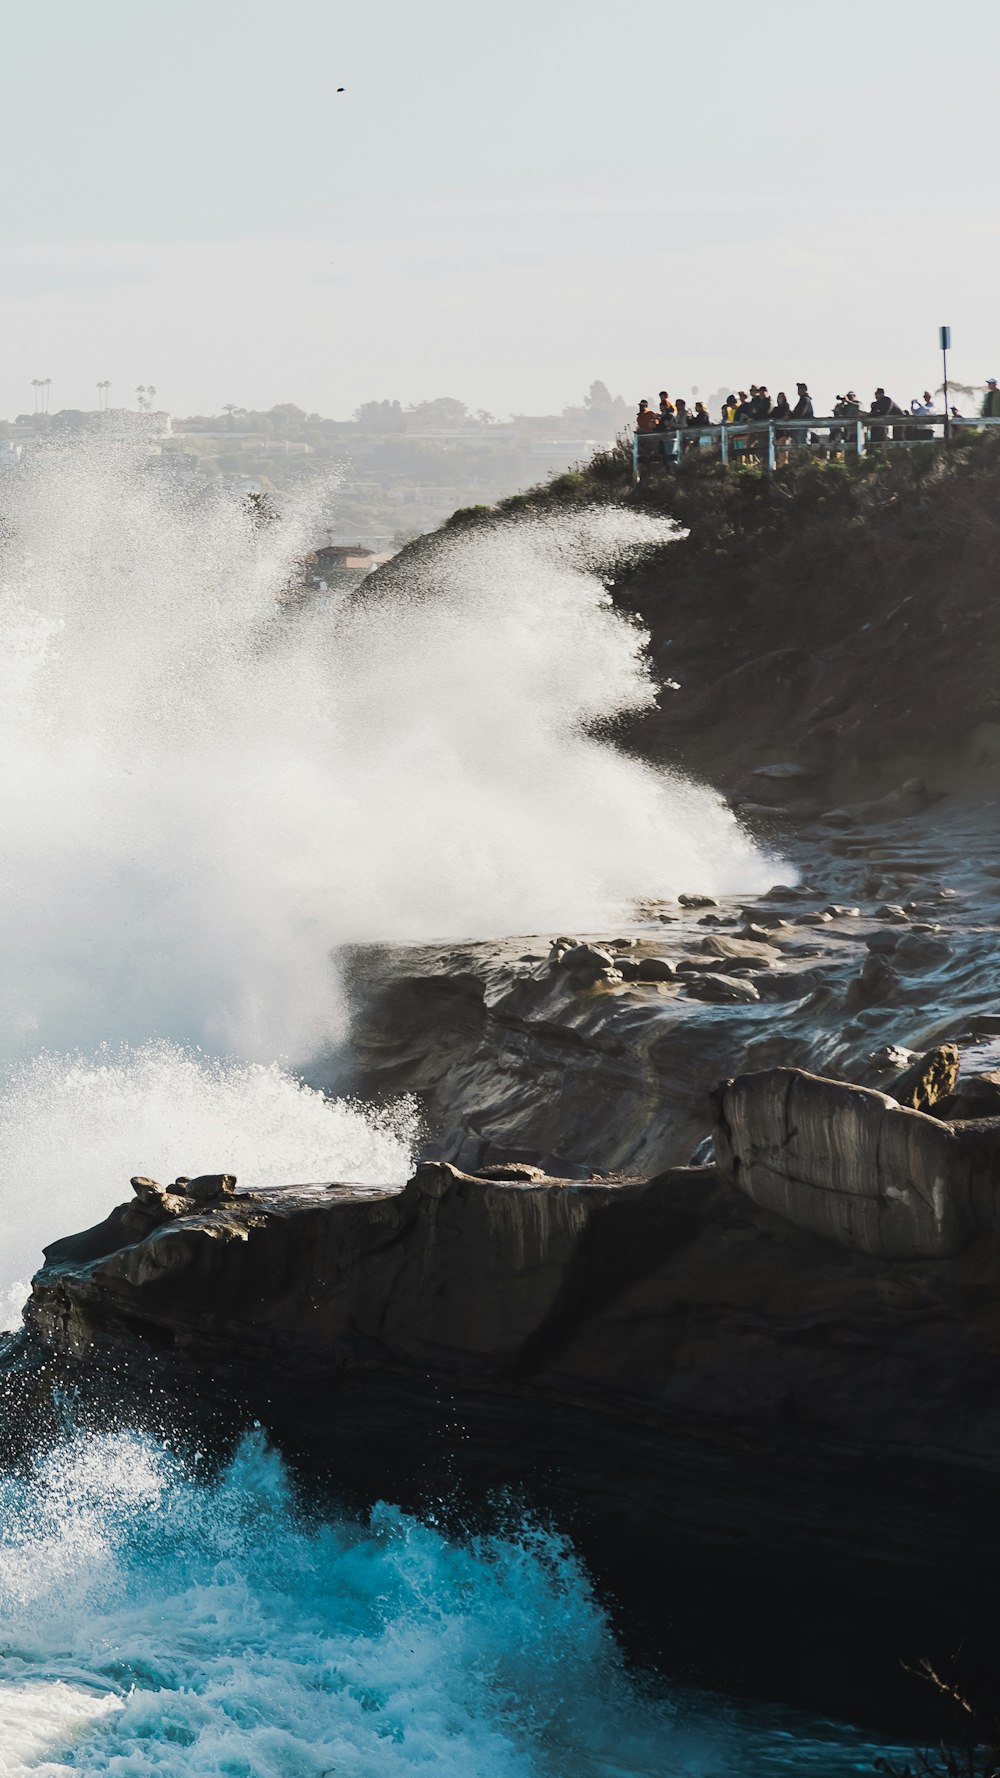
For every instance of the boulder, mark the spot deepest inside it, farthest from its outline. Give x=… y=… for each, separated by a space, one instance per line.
x=748 y=950
x=208 y=1188
x=721 y=989
x=876 y=984
x=920 y=950
x=852 y=1164
x=586 y=962
x=655 y=969
x=697 y=901
x=927 y=1080
x=883 y=943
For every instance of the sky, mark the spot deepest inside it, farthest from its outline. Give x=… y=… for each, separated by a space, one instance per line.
x=505 y=203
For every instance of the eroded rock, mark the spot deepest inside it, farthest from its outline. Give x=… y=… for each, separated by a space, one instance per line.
x=853 y=1165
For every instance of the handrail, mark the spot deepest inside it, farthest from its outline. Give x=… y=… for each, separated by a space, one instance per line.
x=671 y=436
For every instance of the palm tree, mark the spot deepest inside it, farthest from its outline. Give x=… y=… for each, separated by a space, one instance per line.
x=36 y=383
x=150 y=393
x=102 y=395
x=46 y=385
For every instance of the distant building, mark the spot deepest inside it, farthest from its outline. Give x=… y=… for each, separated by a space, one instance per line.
x=334 y=557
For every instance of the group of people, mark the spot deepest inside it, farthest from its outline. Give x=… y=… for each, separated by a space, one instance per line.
x=755 y=405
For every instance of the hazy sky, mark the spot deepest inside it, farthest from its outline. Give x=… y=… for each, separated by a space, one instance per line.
x=507 y=202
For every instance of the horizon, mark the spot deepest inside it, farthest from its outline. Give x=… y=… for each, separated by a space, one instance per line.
x=199 y=207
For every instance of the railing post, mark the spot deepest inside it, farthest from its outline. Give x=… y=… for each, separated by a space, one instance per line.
x=862 y=438
x=724 y=446
x=772 y=461
x=635 y=455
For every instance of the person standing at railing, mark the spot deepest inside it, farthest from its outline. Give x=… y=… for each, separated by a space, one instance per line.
x=921 y=410
x=884 y=404
x=729 y=411
x=701 y=418
x=991 y=401
x=668 y=426
x=803 y=410
x=781 y=411
x=645 y=423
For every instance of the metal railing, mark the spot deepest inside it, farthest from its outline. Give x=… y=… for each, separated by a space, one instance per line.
x=772 y=442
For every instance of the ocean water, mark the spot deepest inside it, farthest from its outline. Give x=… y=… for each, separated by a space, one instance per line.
x=204 y=791
x=153 y=1621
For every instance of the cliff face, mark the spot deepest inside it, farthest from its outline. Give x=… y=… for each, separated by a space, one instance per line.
x=887 y=941
x=836 y=616
x=714 y=1395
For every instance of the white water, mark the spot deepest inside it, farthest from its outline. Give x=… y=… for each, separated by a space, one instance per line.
x=154 y=1624
x=201 y=793
x=203 y=790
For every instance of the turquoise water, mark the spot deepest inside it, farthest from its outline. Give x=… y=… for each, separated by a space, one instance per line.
x=155 y=1623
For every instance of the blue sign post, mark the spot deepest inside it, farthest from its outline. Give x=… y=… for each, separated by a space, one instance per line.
x=945 y=337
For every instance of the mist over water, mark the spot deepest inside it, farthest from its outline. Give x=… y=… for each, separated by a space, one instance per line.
x=204 y=788
x=201 y=791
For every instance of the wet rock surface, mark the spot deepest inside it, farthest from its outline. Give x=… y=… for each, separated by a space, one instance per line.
x=586 y=1073
x=714 y=1395
x=771 y=1383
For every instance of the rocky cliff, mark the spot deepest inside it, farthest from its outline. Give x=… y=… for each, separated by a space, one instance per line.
x=713 y=1397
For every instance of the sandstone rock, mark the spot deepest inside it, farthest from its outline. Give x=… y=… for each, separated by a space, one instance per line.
x=852 y=1164
x=760 y=951
x=928 y=1079
x=510 y=1170
x=149 y=1191
x=586 y=962
x=918 y=950
x=978 y=1095
x=883 y=943
x=890 y=911
x=623 y=944
x=842 y=911
x=697 y=901
x=655 y=969
x=909 y=799
x=208 y=1188
x=876 y=984
x=721 y=989
x=891 y=1058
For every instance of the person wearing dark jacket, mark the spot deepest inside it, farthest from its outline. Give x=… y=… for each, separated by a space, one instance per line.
x=882 y=404
x=782 y=411
x=803 y=410
x=991 y=401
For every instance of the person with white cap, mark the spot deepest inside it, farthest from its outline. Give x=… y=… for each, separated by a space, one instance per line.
x=990 y=409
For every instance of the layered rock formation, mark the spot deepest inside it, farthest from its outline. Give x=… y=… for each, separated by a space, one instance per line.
x=597 y=1051
x=713 y=1394
x=856 y=1166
